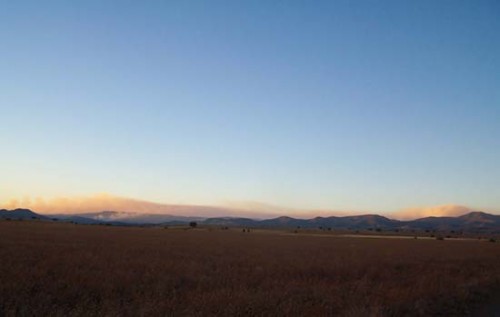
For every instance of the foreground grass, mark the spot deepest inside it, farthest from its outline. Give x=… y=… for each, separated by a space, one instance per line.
x=63 y=270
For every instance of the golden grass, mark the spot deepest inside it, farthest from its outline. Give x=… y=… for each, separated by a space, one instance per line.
x=73 y=270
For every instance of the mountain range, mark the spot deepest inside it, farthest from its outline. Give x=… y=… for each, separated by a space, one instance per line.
x=475 y=221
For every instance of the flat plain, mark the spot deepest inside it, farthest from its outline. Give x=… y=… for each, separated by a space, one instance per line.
x=61 y=269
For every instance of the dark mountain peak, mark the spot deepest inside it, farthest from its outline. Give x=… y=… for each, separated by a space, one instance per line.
x=22 y=210
x=370 y=219
x=432 y=218
x=19 y=210
x=475 y=214
x=330 y=217
x=20 y=213
x=285 y=218
x=283 y=221
x=231 y=221
x=479 y=216
x=319 y=218
x=368 y=216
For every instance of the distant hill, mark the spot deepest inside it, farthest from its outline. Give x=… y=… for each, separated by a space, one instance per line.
x=355 y=222
x=479 y=218
x=115 y=217
x=76 y=219
x=475 y=221
x=231 y=222
x=21 y=214
x=282 y=222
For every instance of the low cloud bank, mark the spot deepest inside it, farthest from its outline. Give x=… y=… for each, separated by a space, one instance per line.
x=434 y=211
x=102 y=202
x=106 y=202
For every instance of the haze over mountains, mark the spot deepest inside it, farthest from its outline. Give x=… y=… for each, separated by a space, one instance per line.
x=471 y=222
x=249 y=209
x=108 y=209
x=101 y=202
x=128 y=217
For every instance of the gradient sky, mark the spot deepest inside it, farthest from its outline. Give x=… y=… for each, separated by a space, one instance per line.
x=347 y=105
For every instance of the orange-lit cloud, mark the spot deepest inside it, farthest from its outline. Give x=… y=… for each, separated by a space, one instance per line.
x=436 y=211
x=106 y=202
x=260 y=207
x=270 y=209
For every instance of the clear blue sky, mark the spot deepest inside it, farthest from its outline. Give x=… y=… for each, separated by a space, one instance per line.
x=359 y=105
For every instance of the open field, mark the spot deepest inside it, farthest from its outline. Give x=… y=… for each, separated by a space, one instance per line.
x=63 y=269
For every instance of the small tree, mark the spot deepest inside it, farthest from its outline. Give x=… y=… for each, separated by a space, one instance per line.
x=193 y=224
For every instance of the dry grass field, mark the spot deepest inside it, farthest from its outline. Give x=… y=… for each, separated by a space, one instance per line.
x=56 y=269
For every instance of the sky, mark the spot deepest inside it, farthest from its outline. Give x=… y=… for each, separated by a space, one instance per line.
x=358 y=106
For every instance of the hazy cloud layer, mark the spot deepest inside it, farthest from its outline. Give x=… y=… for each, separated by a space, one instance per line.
x=437 y=211
x=106 y=202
